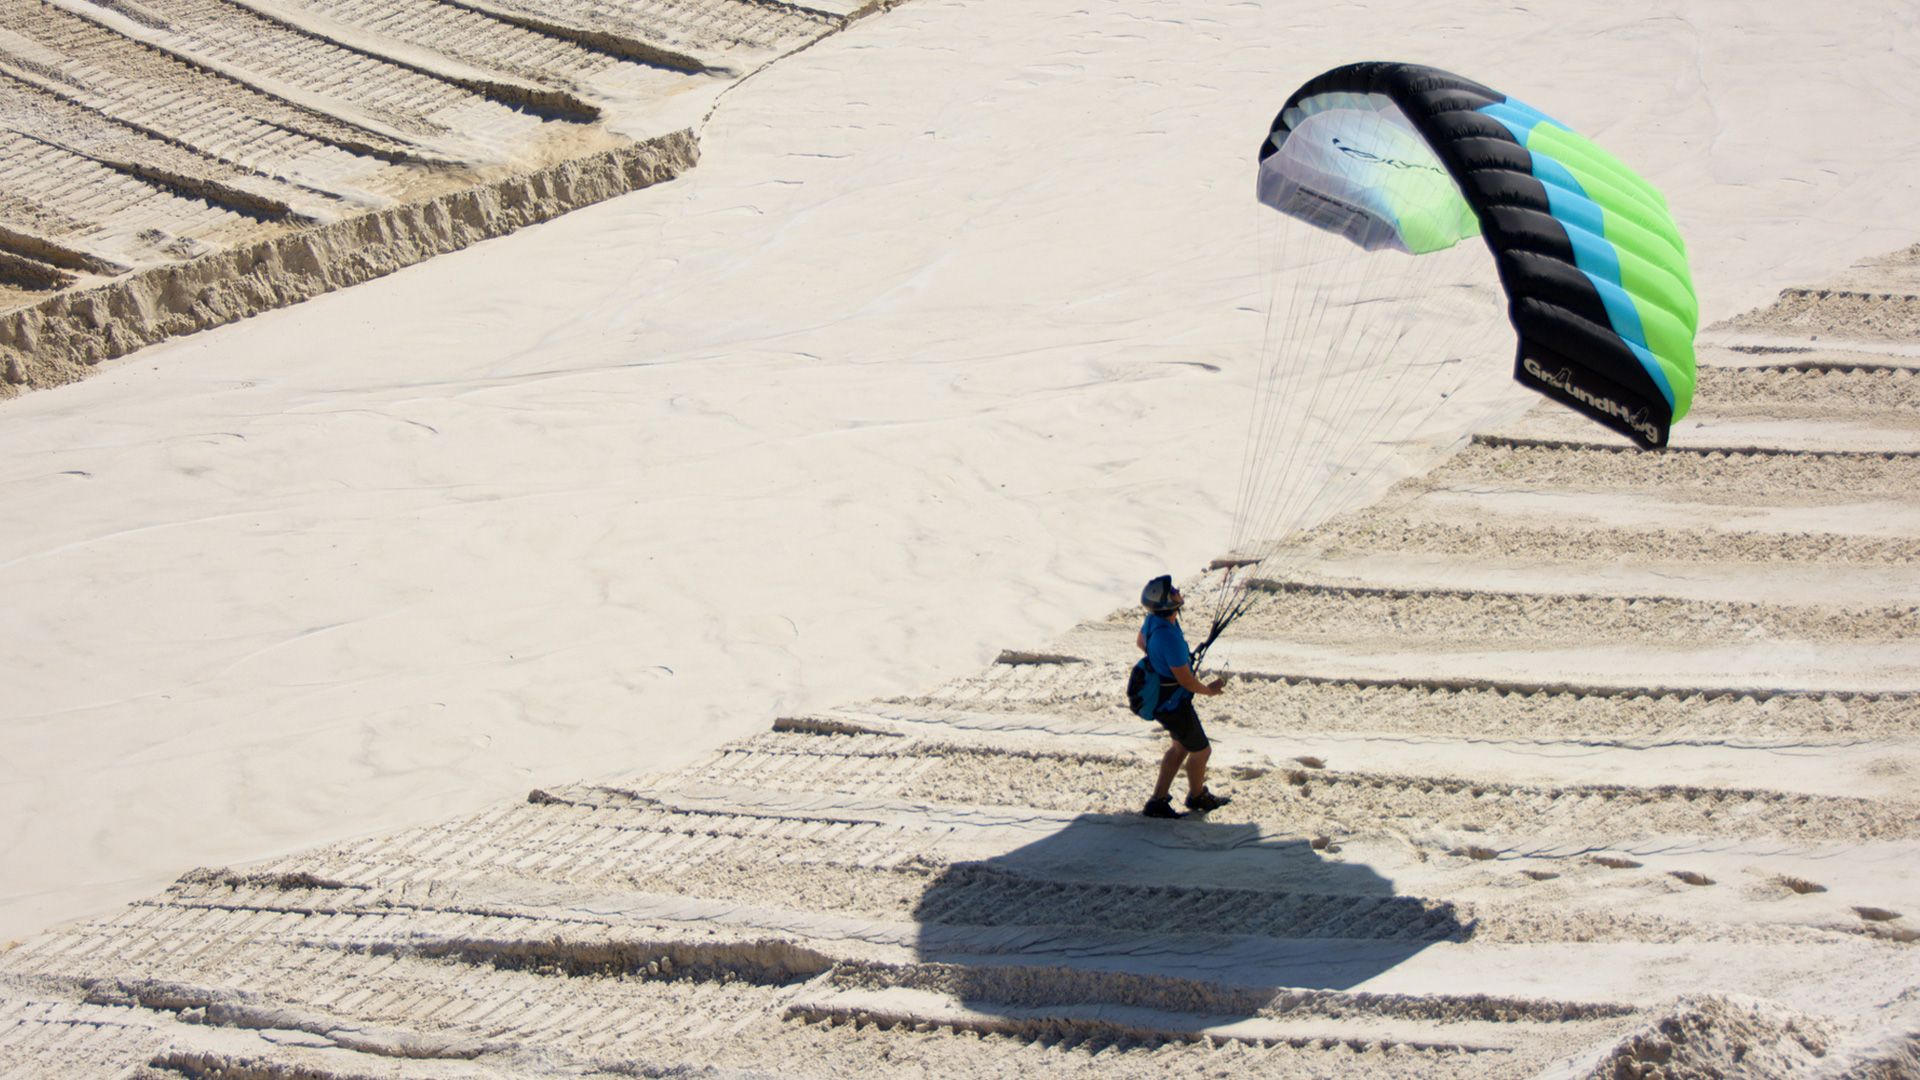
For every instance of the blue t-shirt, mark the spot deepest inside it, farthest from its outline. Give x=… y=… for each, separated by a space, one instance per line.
x=1166 y=650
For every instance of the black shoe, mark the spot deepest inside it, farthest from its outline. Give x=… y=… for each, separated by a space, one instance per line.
x=1206 y=801
x=1162 y=807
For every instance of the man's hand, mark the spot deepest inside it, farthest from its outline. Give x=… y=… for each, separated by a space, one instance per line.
x=1185 y=677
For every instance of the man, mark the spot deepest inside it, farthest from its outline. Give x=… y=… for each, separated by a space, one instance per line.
x=1169 y=658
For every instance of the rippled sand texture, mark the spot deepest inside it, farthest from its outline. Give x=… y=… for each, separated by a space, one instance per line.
x=1564 y=759
x=171 y=165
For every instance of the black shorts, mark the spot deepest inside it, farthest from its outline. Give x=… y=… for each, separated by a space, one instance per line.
x=1184 y=725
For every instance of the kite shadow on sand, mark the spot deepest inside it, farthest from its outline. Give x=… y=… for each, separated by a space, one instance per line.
x=1109 y=902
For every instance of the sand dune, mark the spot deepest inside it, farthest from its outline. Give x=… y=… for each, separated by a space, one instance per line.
x=1459 y=873
x=1551 y=760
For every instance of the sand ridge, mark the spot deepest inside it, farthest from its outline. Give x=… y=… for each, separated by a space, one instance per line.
x=1449 y=876
x=173 y=165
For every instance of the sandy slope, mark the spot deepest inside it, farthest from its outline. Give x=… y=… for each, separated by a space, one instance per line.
x=600 y=497
x=1476 y=866
x=857 y=405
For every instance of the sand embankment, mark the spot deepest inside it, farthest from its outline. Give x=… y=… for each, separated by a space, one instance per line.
x=1564 y=759
x=174 y=165
x=60 y=339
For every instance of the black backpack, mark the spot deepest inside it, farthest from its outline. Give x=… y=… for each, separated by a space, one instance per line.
x=1146 y=689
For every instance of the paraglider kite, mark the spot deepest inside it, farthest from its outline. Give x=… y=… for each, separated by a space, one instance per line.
x=1413 y=159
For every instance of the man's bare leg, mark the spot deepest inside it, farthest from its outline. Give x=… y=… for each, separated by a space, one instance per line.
x=1170 y=763
x=1196 y=772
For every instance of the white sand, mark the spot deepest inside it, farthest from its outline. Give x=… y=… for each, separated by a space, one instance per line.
x=875 y=391
x=860 y=401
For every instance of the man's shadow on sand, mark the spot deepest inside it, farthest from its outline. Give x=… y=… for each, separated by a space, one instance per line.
x=1192 y=900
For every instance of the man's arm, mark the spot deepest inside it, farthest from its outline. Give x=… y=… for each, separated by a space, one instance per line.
x=1184 y=676
x=1140 y=639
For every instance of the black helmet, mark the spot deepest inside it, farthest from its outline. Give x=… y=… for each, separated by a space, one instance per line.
x=1160 y=597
